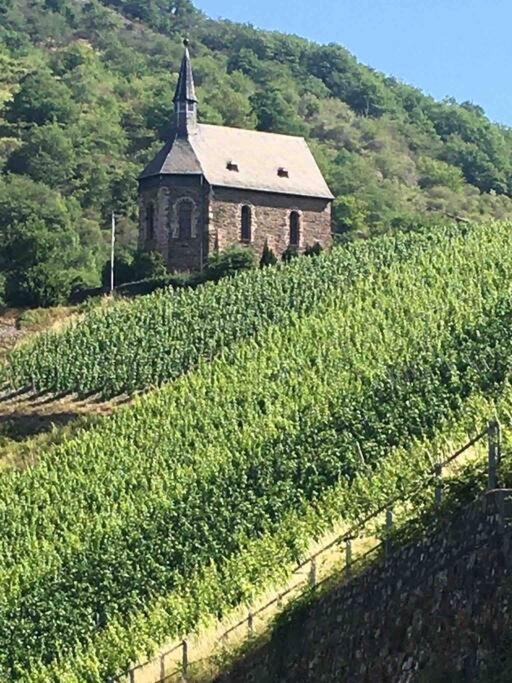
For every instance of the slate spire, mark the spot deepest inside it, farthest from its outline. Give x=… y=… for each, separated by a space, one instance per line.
x=185 y=101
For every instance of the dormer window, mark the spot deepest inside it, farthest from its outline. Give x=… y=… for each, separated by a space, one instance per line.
x=232 y=166
x=282 y=172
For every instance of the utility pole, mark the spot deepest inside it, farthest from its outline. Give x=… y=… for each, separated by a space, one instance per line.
x=112 y=250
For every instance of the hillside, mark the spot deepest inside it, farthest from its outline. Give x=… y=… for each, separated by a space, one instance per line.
x=85 y=97
x=197 y=496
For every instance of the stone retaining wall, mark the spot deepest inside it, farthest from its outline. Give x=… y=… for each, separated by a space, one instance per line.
x=437 y=610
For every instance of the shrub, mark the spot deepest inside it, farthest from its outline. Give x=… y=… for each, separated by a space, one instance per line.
x=122 y=270
x=290 y=253
x=313 y=250
x=229 y=262
x=44 y=284
x=268 y=258
x=148 y=265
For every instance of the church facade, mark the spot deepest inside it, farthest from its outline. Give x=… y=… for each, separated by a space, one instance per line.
x=210 y=187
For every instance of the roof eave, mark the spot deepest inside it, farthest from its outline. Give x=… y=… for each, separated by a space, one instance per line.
x=161 y=173
x=309 y=195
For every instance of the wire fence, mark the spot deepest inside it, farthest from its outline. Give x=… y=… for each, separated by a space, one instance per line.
x=157 y=670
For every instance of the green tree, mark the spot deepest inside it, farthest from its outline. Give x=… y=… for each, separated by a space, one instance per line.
x=42 y=99
x=47 y=156
x=350 y=214
x=290 y=253
x=436 y=172
x=268 y=258
x=40 y=249
x=275 y=114
x=148 y=265
x=123 y=269
x=313 y=250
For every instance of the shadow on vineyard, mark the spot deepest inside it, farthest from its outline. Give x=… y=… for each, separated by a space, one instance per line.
x=17 y=426
x=31 y=422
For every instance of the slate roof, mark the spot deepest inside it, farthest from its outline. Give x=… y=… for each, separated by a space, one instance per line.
x=258 y=156
x=185 y=91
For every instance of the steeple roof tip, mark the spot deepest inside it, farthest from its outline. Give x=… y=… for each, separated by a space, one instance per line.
x=185 y=90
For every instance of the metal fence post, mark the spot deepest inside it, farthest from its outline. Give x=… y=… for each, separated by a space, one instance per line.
x=312 y=573
x=438 y=493
x=389 y=527
x=493 y=453
x=348 y=558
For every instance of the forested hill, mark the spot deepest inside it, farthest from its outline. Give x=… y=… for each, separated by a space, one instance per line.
x=85 y=99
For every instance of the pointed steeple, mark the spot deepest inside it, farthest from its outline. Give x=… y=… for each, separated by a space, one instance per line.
x=185 y=101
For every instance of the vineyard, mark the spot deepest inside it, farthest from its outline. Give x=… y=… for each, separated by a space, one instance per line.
x=309 y=389
x=131 y=346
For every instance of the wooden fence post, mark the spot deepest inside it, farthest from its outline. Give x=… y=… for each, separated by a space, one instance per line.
x=312 y=573
x=184 y=659
x=250 y=623
x=348 y=558
x=162 y=667
x=493 y=434
x=389 y=527
x=438 y=493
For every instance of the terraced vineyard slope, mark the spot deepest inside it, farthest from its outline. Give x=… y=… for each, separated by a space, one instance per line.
x=199 y=494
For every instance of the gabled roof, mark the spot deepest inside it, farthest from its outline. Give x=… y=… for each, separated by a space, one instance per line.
x=267 y=162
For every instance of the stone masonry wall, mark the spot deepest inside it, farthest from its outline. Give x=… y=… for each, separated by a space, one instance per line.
x=217 y=219
x=437 y=611
x=165 y=195
x=270 y=219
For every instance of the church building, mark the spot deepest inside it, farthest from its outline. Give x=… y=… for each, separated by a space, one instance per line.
x=210 y=187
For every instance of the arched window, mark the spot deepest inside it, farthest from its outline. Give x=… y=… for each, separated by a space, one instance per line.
x=246 y=231
x=185 y=220
x=294 y=229
x=150 y=222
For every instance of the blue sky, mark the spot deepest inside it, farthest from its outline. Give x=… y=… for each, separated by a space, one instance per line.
x=458 y=48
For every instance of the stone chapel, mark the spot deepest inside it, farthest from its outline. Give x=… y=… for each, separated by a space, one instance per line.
x=212 y=186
